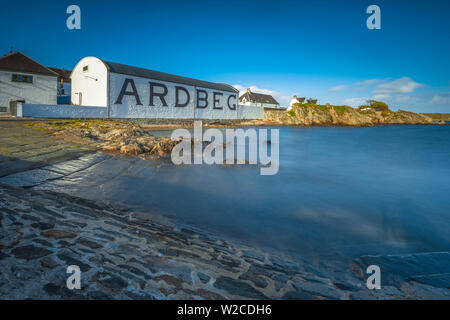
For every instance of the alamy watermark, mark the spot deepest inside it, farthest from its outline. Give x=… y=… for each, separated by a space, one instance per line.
x=74 y=280
x=74 y=20
x=191 y=150
x=374 y=280
x=374 y=20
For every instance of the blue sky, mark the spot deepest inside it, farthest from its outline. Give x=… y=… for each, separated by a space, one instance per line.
x=319 y=49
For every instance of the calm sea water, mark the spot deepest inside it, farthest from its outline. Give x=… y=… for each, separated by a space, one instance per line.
x=340 y=192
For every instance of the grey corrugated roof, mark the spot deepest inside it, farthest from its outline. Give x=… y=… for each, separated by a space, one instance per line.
x=156 y=75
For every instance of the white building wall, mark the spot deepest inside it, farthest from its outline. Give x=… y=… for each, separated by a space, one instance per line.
x=250 y=113
x=60 y=111
x=261 y=105
x=128 y=107
x=43 y=90
x=92 y=83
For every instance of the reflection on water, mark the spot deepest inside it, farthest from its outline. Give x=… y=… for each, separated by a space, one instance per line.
x=340 y=192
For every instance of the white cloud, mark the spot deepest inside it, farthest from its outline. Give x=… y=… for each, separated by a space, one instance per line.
x=368 y=82
x=381 y=96
x=441 y=99
x=402 y=85
x=339 y=88
x=355 y=102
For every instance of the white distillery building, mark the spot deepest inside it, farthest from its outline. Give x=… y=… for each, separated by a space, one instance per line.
x=24 y=80
x=132 y=92
x=254 y=99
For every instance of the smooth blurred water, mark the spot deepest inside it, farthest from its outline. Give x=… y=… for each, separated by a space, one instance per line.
x=340 y=192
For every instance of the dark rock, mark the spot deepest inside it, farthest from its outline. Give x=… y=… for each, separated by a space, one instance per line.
x=42 y=225
x=98 y=295
x=203 y=277
x=43 y=242
x=104 y=237
x=53 y=289
x=209 y=295
x=3 y=255
x=168 y=252
x=280 y=280
x=64 y=243
x=284 y=266
x=48 y=262
x=174 y=281
x=298 y=295
x=257 y=280
x=133 y=270
x=230 y=262
x=72 y=261
x=238 y=288
x=265 y=270
x=89 y=243
x=30 y=252
x=40 y=208
x=58 y=234
x=140 y=296
x=29 y=217
x=253 y=255
x=317 y=289
x=126 y=275
x=345 y=286
x=63 y=292
x=113 y=283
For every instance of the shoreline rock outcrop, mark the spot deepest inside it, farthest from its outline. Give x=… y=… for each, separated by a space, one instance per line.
x=124 y=137
x=328 y=115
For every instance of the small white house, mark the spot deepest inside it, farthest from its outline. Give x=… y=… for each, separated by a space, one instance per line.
x=254 y=99
x=295 y=100
x=132 y=92
x=25 y=80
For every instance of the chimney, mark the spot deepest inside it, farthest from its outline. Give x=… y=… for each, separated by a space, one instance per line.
x=249 y=91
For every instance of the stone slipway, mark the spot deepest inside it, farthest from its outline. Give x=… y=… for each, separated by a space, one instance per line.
x=23 y=148
x=125 y=255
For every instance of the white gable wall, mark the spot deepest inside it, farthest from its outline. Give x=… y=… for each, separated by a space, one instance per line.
x=92 y=84
x=42 y=91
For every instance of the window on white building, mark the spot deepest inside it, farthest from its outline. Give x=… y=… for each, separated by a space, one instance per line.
x=85 y=68
x=22 y=78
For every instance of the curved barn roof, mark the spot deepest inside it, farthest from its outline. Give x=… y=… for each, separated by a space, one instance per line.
x=156 y=75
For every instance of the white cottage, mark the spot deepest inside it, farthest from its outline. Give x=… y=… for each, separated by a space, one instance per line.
x=25 y=80
x=254 y=99
x=132 y=92
x=295 y=100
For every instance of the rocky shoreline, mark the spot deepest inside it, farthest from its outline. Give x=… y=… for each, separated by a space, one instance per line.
x=125 y=254
x=128 y=255
x=328 y=115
